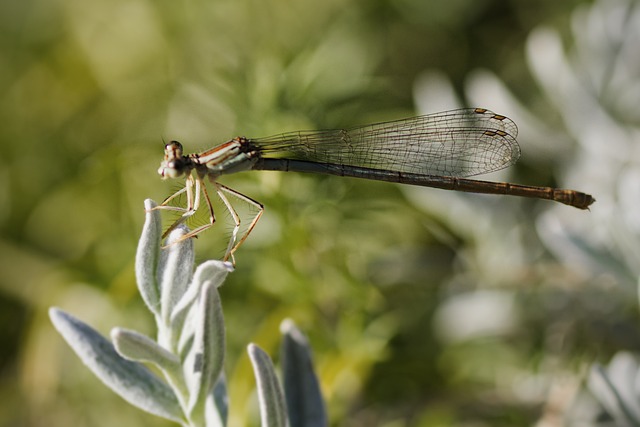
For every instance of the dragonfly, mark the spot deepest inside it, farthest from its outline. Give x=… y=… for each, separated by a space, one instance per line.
x=439 y=150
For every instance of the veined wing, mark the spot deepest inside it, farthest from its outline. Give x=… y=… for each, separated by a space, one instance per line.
x=456 y=143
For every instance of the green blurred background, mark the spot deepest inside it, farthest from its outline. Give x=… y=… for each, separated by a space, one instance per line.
x=424 y=308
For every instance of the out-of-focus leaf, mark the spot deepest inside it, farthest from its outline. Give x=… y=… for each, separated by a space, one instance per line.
x=217 y=405
x=305 y=405
x=131 y=380
x=272 y=406
x=616 y=388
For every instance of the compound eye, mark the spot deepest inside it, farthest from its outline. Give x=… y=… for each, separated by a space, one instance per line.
x=173 y=149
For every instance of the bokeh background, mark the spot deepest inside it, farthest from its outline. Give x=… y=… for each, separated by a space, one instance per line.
x=424 y=308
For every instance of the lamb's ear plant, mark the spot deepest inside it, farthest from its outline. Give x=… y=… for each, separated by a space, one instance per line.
x=190 y=345
x=616 y=387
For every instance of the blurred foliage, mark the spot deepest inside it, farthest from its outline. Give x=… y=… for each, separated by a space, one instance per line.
x=424 y=308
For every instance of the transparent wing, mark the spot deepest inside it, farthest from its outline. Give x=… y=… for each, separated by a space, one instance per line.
x=455 y=143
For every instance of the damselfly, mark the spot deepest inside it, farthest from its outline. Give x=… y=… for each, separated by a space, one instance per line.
x=437 y=150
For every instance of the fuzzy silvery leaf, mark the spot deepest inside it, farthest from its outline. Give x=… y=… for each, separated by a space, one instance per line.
x=147 y=257
x=186 y=336
x=217 y=404
x=131 y=380
x=218 y=401
x=174 y=270
x=214 y=271
x=208 y=347
x=137 y=347
x=616 y=388
x=305 y=406
x=272 y=405
x=191 y=336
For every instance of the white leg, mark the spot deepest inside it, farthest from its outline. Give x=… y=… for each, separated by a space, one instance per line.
x=233 y=246
x=165 y=206
x=236 y=221
x=212 y=217
x=192 y=203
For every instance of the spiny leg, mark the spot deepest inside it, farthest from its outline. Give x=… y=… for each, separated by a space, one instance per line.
x=231 y=250
x=164 y=205
x=188 y=188
x=212 y=217
x=193 y=203
x=236 y=220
